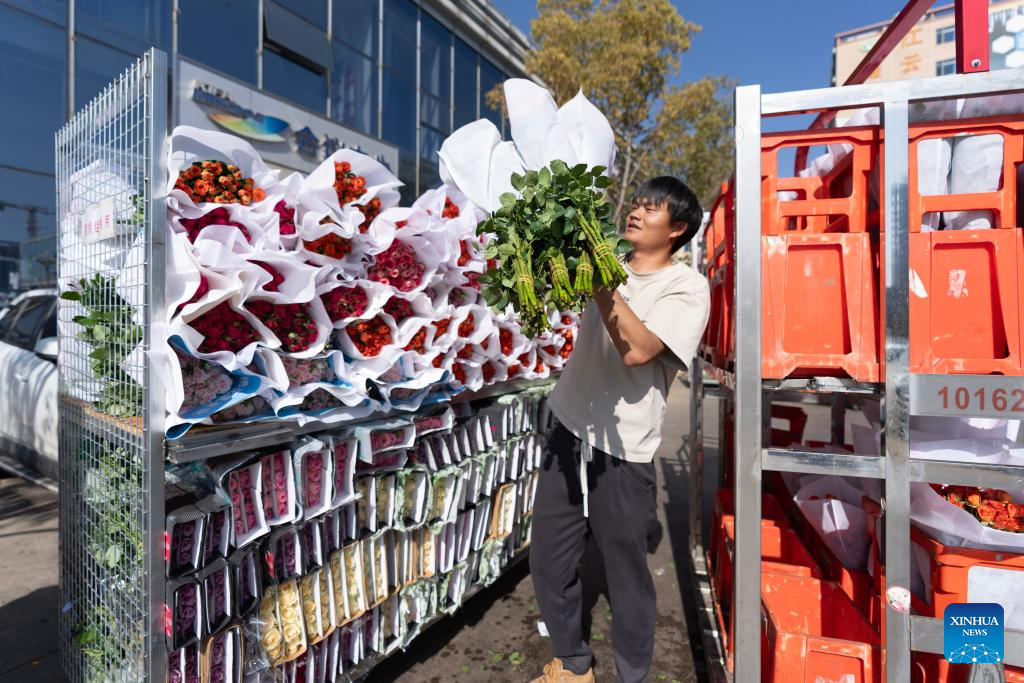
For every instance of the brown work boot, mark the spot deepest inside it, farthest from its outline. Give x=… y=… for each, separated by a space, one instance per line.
x=554 y=672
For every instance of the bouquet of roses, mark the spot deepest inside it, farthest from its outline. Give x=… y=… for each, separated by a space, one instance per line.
x=203 y=381
x=551 y=241
x=217 y=182
x=993 y=507
x=294 y=324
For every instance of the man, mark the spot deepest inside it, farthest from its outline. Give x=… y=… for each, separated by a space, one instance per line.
x=598 y=475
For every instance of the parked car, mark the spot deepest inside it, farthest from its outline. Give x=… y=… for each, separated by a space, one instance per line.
x=28 y=383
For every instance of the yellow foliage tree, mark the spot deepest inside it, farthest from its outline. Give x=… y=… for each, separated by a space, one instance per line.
x=622 y=54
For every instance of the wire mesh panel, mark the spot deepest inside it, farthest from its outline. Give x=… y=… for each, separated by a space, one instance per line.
x=109 y=197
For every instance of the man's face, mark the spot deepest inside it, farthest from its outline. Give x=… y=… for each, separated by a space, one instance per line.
x=649 y=227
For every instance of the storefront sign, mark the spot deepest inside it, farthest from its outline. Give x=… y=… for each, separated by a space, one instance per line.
x=283 y=134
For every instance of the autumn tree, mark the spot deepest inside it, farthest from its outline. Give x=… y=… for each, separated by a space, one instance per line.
x=624 y=54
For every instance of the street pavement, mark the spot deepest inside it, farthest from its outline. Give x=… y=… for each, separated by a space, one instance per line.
x=30 y=652
x=494 y=638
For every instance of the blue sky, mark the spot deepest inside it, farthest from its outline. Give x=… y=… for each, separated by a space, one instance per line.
x=781 y=44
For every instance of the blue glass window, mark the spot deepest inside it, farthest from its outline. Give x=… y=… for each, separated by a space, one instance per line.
x=946 y=34
x=400 y=37
x=28 y=190
x=435 y=73
x=33 y=61
x=313 y=11
x=465 y=99
x=354 y=89
x=53 y=10
x=130 y=25
x=399 y=114
x=96 y=65
x=202 y=35
x=294 y=82
x=490 y=76
x=355 y=24
x=945 y=67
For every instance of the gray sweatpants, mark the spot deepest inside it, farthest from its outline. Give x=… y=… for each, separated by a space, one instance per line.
x=621 y=502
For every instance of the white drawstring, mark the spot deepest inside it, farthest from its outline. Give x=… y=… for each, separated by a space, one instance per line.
x=586 y=456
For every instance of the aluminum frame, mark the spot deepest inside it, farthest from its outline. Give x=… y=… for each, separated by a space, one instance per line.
x=904 y=393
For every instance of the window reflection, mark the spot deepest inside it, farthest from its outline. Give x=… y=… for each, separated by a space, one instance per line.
x=128 y=24
x=221 y=34
x=355 y=24
x=399 y=112
x=294 y=81
x=400 y=37
x=465 y=95
x=33 y=80
x=354 y=89
x=95 y=66
x=490 y=76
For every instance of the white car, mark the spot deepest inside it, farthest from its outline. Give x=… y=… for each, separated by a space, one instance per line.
x=28 y=384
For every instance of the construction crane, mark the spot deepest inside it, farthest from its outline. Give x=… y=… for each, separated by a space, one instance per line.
x=32 y=228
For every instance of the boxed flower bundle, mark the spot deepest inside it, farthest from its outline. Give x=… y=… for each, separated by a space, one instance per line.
x=313 y=464
x=222 y=657
x=278 y=480
x=185 y=665
x=314 y=543
x=185 y=611
x=217 y=536
x=248 y=580
x=317 y=605
x=284 y=554
x=345 y=450
x=184 y=528
x=217 y=581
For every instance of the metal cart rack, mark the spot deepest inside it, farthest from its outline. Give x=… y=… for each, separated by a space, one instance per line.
x=112 y=470
x=904 y=393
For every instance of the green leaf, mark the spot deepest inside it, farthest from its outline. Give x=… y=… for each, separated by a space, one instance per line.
x=579 y=170
x=112 y=556
x=71 y=296
x=598 y=171
x=465 y=668
x=602 y=181
x=505 y=282
x=507 y=200
x=518 y=181
x=506 y=249
x=516 y=658
x=622 y=247
x=497 y=657
x=570 y=213
x=544 y=177
x=100 y=354
x=99 y=332
x=559 y=167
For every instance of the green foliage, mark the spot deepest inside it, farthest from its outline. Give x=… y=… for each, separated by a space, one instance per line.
x=553 y=243
x=110 y=329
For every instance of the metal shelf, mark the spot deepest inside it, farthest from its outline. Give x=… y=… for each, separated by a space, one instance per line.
x=204 y=442
x=904 y=394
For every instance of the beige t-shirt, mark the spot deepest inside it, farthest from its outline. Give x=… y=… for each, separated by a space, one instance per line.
x=619 y=409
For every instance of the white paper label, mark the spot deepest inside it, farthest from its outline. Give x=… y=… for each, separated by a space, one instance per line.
x=98 y=221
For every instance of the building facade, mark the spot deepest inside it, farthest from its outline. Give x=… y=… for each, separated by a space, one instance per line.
x=298 y=78
x=929 y=49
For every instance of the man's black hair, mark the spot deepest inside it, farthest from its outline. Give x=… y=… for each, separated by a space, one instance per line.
x=683 y=205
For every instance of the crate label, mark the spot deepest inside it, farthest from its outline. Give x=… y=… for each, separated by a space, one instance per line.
x=98 y=221
x=994 y=396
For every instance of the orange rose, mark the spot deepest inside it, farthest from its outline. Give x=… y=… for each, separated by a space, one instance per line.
x=986 y=513
x=216 y=168
x=258 y=195
x=974 y=499
x=192 y=172
x=202 y=188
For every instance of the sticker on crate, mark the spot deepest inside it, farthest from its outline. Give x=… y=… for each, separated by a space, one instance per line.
x=973 y=632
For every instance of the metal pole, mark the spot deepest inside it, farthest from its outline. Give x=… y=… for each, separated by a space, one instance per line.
x=746 y=612
x=896 y=417
x=695 y=452
x=155 y=186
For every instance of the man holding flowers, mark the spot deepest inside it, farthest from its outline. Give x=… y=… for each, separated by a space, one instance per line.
x=598 y=476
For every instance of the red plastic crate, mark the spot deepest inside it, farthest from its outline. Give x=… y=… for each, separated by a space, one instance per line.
x=838 y=201
x=813 y=633
x=819 y=306
x=724 y=514
x=781 y=553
